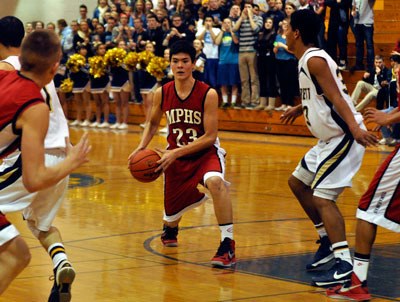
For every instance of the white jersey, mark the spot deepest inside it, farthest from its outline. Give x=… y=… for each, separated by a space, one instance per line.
x=320 y=114
x=58 y=126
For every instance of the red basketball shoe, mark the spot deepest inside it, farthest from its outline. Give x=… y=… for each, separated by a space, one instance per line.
x=354 y=290
x=225 y=256
x=169 y=236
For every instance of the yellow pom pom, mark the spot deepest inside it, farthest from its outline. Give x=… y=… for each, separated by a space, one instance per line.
x=131 y=61
x=66 y=85
x=97 y=66
x=75 y=62
x=157 y=67
x=115 y=57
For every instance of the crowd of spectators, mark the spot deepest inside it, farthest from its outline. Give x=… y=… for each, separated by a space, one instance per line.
x=241 y=45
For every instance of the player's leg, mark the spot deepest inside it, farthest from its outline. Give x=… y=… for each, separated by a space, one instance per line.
x=40 y=215
x=300 y=184
x=356 y=288
x=14 y=257
x=225 y=256
x=64 y=273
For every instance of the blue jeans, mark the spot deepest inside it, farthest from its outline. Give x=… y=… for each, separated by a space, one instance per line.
x=386 y=130
x=364 y=32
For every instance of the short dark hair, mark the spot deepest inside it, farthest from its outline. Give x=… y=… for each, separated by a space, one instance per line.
x=307 y=23
x=12 y=31
x=39 y=51
x=395 y=58
x=182 y=46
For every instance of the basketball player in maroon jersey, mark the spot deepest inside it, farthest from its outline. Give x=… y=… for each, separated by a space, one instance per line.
x=193 y=154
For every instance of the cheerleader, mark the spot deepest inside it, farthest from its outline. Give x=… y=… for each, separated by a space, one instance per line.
x=120 y=89
x=146 y=84
x=59 y=77
x=81 y=92
x=99 y=85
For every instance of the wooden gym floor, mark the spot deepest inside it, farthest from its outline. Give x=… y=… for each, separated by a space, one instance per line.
x=111 y=226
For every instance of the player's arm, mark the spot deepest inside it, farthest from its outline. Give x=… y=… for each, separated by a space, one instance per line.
x=319 y=68
x=152 y=127
x=382 y=118
x=34 y=122
x=210 y=121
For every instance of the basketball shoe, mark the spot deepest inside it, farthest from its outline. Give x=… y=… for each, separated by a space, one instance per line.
x=339 y=273
x=225 y=256
x=323 y=255
x=352 y=290
x=169 y=236
x=64 y=275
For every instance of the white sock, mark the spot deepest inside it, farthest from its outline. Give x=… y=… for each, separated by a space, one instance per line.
x=321 y=229
x=361 y=264
x=341 y=250
x=234 y=98
x=225 y=98
x=226 y=231
x=57 y=253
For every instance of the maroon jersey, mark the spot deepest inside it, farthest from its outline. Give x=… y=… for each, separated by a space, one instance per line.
x=184 y=117
x=17 y=93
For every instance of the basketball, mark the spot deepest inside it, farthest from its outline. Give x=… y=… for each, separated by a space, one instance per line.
x=143 y=164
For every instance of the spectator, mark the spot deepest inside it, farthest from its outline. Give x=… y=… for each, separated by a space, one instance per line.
x=370 y=84
x=286 y=67
x=275 y=13
x=51 y=26
x=67 y=37
x=248 y=27
x=199 y=61
x=155 y=34
x=319 y=8
x=28 y=28
x=228 y=70
x=178 y=32
x=39 y=25
x=83 y=16
x=208 y=35
x=216 y=12
x=101 y=8
x=339 y=21
x=266 y=63
x=363 y=15
x=123 y=31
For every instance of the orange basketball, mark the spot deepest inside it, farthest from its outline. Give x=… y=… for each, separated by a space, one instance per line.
x=143 y=164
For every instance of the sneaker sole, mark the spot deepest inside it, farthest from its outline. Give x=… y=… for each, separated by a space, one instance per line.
x=329 y=283
x=220 y=264
x=364 y=297
x=65 y=278
x=317 y=265
x=171 y=244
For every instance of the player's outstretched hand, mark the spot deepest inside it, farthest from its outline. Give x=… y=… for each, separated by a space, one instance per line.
x=364 y=137
x=78 y=154
x=290 y=115
x=376 y=116
x=167 y=158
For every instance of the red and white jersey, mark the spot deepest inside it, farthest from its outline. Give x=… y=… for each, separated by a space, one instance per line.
x=58 y=126
x=184 y=117
x=13 y=101
x=322 y=118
